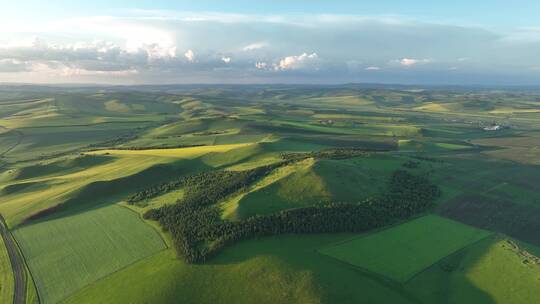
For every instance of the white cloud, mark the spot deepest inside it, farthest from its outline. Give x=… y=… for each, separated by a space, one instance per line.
x=63 y=70
x=296 y=62
x=255 y=46
x=156 y=51
x=409 y=62
x=261 y=65
x=163 y=43
x=69 y=71
x=190 y=56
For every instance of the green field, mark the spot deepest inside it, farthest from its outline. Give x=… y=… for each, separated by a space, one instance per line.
x=71 y=159
x=284 y=269
x=101 y=241
x=401 y=252
x=493 y=270
x=6 y=275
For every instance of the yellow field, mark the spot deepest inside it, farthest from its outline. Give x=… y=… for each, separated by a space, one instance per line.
x=54 y=190
x=434 y=107
x=190 y=152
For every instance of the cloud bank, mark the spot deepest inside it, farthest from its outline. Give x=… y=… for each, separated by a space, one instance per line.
x=181 y=47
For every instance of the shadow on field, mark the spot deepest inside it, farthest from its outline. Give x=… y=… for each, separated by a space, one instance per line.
x=447 y=282
x=102 y=193
x=517 y=220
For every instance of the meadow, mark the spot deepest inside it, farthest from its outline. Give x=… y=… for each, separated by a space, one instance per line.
x=71 y=159
x=101 y=241
x=403 y=251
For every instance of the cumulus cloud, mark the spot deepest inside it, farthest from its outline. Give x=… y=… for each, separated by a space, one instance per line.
x=144 y=44
x=304 y=60
x=190 y=56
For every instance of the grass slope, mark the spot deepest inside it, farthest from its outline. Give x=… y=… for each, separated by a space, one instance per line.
x=402 y=251
x=274 y=270
x=119 y=171
x=492 y=271
x=315 y=182
x=65 y=254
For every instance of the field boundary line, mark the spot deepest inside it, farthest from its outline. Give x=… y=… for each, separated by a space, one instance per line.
x=376 y=230
x=380 y=278
x=490 y=235
x=395 y=280
x=145 y=223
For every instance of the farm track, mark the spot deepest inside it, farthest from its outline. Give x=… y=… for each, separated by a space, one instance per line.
x=17 y=264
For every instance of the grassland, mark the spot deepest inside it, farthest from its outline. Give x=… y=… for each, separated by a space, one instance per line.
x=69 y=158
x=494 y=270
x=285 y=269
x=101 y=241
x=403 y=251
x=55 y=185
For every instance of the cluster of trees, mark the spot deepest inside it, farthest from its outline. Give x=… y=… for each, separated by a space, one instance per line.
x=205 y=186
x=199 y=232
x=339 y=153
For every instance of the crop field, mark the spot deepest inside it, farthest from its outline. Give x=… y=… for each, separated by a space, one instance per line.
x=282 y=194
x=402 y=251
x=6 y=275
x=189 y=152
x=101 y=241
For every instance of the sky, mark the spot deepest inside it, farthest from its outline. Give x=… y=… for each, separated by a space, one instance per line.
x=484 y=42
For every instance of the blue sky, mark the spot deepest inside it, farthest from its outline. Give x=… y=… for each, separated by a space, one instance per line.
x=128 y=42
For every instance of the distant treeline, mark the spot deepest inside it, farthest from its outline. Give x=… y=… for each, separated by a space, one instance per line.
x=154 y=147
x=199 y=232
x=337 y=153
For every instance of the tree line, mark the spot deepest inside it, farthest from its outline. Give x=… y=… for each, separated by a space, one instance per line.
x=204 y=186
x=199 y=232
x=195 y=180
x=334 y=153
